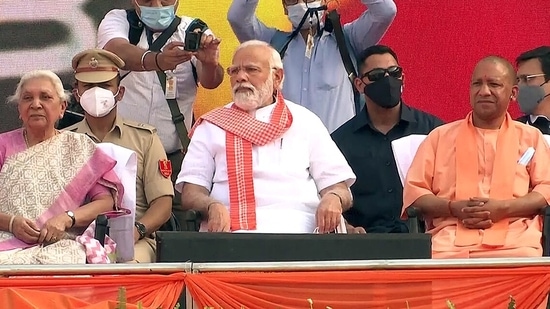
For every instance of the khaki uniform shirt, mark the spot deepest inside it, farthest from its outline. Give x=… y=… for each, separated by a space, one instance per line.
x=143 y=139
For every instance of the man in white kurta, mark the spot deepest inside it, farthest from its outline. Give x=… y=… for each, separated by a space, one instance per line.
x=300 y=179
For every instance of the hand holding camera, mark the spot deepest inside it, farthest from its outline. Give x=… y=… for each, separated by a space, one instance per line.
x=172 y=55
x=205 y=46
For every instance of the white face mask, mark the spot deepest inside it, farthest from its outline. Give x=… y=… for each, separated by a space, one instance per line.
x=98 y=102
x=297 y=11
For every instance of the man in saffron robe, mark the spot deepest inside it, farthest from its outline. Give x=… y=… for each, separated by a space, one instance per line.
x=261 y=163
x=481 y=182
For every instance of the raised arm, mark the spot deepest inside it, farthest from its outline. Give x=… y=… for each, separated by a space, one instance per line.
x=209 y=70
x=246 y=26
x=370 y=27
x=112 y=35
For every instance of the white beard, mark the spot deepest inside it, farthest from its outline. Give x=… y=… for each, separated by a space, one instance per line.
x=249 y=98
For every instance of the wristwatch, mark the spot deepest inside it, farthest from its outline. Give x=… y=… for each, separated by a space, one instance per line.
x=142 y=230
x=71 y=215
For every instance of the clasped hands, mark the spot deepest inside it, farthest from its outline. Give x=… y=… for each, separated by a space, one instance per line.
x=478 y=212
x=53 y=230
x=173 y=53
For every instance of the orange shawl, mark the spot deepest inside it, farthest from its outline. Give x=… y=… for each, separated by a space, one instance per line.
x=502 y=180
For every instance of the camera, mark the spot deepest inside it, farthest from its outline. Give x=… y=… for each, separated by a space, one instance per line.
x=193 y=35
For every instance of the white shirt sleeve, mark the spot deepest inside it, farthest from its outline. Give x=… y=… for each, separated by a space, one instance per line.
x=245 y=24
x=198 y=166
x=328 y=166
x=114 y=25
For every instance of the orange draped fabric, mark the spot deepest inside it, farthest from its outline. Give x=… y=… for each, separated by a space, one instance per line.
x=31 y=299
x=153 y=291
x=394 y=289
x=420 y=289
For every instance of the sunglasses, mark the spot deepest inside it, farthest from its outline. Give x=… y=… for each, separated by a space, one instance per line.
x=377 y=74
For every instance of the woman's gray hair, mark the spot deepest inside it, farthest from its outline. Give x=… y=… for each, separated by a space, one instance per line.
x=37 y=74
x=275 y=60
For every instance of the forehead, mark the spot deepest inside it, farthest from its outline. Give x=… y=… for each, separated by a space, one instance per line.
x=382 y=61
x=252 y=55
x=107 y=82
x=39 y=84
x=489 y=70
x=531 y=66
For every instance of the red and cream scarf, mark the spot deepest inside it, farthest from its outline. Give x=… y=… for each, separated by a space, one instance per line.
x=243 y=130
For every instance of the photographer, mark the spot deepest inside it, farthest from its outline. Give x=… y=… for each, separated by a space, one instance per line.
x=316 y=77
x=165 y=74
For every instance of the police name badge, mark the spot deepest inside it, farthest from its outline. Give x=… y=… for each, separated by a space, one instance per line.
x=171 y=86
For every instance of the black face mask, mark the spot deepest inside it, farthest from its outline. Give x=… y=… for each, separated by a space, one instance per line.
x=385 y=92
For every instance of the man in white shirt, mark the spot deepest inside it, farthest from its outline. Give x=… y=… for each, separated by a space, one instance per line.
x=261 y=163
x=315 y=74
x=145 y=100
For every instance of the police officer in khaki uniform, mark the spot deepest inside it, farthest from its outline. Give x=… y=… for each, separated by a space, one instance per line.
x=98 y=90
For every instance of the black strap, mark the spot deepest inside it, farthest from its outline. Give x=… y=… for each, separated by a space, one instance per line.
x=163 y=37
x=134 y=35
x=136 y=26
x=334 y=19
x=177 y=117
x=309 y=13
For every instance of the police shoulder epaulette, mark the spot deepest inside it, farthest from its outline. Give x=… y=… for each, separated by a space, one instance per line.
x=139 y=125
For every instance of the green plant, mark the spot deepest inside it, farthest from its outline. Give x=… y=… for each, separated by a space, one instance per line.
x=122 y=300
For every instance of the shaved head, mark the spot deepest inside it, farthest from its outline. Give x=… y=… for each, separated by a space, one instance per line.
x=506 y=65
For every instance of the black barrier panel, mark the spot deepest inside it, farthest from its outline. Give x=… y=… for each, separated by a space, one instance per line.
x=226 y=247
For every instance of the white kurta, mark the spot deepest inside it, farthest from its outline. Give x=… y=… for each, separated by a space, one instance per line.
x=288 y=172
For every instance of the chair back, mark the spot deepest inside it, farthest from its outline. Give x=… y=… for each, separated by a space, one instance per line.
x=404 y=150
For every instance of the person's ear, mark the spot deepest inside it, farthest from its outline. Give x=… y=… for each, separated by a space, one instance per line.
x=75 y=94
x=278 y=76
x=359 y=85
x=120 y=95
x=63 y=108
x=515 y=92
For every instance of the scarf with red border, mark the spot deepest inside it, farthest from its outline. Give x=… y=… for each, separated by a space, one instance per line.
x=242 y=131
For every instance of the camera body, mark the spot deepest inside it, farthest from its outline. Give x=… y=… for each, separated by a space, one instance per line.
x=193 y=35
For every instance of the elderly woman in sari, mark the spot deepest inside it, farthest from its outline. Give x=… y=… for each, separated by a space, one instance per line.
x=51 y=183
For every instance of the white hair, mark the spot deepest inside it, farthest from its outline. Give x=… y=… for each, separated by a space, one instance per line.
x=38 y=74
x=275 y=60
